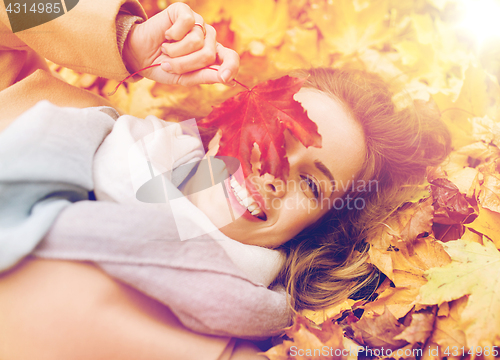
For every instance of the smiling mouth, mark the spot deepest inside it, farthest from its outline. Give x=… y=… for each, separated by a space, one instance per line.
x=246 y=200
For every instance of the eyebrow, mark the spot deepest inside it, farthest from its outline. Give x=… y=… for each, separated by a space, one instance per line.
x=322 y=167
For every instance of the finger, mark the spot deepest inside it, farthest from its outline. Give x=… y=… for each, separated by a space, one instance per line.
x=203 y=76
x=230 y=63
x=196 y=60
x=193 y=41
x=226 y=71
x=183 y=20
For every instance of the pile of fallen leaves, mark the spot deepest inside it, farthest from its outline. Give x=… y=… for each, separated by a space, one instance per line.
x=439 y=253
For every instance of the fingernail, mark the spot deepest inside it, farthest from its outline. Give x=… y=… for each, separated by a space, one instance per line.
x=167 y=37
x=163 y=49
x=226 y=75
x=165 y=66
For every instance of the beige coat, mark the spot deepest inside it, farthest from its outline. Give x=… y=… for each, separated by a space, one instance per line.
x=68 y=310
x=83 y=39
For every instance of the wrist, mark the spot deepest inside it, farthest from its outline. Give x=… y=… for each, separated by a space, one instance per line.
x=126 y=25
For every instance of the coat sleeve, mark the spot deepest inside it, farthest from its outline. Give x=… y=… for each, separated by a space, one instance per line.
x=84 y=39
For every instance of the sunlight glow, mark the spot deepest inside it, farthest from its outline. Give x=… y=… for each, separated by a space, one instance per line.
x=481 y=18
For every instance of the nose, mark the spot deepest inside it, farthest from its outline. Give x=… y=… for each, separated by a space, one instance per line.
x=274 y=186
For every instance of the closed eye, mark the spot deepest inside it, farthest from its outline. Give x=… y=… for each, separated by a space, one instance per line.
x=311 y=183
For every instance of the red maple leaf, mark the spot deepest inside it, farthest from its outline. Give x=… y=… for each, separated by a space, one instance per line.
x=261 y=115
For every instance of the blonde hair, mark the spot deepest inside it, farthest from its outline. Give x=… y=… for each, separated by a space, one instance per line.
x=327 y=263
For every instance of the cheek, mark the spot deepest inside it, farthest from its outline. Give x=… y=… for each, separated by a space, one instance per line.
x=300 y=212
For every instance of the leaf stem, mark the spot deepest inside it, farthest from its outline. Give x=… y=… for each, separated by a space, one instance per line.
x=236 y=81
x=128 y=77
x=150 y=66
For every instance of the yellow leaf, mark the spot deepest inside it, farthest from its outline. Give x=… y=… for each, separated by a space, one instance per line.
x=257 y=20
x=478 y=151
x=308 y=342
x=319 y=316
x=447 y=330
x=489 y=195
x=466 y=180
x=300 y=50
x=210 y=10
x=398 y=300
x=474 y=271
x=424 y=27
x=471 y=102
x=419 y=56
x=472 y=236
x=473 y=96
x=349 y=31
x=487 y=223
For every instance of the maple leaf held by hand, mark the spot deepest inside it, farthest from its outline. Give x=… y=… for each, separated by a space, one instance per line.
x=260 y=116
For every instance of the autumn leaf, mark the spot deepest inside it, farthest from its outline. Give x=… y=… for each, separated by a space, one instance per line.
x=420 y=328
x=315 y=344
x=399 y=253
x=471 y=102
x=379 y=331
x=489 y=195
x=261 y=115
x=403 y=227
x=349 y=30
x=451 y=210
x=320 y=316
x=474 y=271
x=258 y=24
x=487 y=223
x=447 y=331
x=399 y=301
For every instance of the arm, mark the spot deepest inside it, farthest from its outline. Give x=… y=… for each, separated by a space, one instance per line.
x=85 y=39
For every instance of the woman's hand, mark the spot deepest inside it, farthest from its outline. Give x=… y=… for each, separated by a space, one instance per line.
x=175 y=38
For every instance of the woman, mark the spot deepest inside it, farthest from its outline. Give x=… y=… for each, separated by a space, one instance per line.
x=359 y=125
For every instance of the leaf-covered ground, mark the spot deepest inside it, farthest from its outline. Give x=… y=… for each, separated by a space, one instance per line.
x=439 y=253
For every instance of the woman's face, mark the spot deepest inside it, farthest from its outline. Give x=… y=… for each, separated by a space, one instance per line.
x=316 y=178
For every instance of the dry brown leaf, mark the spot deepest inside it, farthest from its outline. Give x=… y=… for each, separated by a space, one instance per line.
x=489 y=195
x=309 y=343
x=403 y=227
x=399 y=301
x=420 y=327
x=447 y=330
x=378 y=331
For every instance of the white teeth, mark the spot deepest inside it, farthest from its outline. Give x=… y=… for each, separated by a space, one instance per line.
x=247 y=201
x=235 y=184
x=243 y=194
x=244 y=197
x=256 y=212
